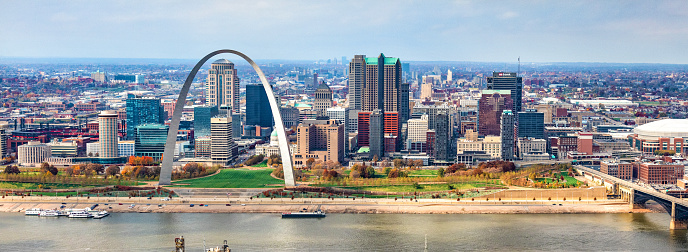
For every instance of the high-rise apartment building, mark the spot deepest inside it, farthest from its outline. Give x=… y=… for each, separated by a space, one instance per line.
x=202 y=116
x=323 y=99
x=508 y=81
x=222 y=87
x=222 y=146
x=258 y=111
x=142 y=110
x=107 y=134
x=507 y=135
x=490 y=108
x=531 y=124
x=322 y=140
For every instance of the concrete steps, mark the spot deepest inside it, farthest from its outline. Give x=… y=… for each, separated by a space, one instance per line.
x=217 y=192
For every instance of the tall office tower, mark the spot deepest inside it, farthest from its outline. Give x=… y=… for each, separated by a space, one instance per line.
x=443 y=138
x=258 y=111
x=352 y=120
x=142 y=110
x=404 y=110
x=490 y=107
x=426 y=91
x=531 y=124
x=202 y=115
x=323 y=99
x=392 y=131
x=382 y=84
x=222 y=146
x=150 y=140
x=107 y=134
x=449 y=76
x=363 y=126
x=322 y=140
x=508 y=81
x=376 y=135
x=507 y=135
x=223 y=85
x=236 y=125
x=357 y=78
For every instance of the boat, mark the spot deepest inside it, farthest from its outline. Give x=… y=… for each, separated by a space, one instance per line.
x=316 y=214
x=80 y=215
x=33 y=211
x=100 y=215
x=49 y=213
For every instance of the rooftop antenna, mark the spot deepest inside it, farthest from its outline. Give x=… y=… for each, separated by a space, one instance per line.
x=519 y=66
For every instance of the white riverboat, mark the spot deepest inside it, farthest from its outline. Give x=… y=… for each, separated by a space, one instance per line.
x=80 y=215
x=49 y=213
x=100 y=215
x=33 y=211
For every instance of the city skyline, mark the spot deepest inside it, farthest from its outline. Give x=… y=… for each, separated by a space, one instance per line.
x=619 y=32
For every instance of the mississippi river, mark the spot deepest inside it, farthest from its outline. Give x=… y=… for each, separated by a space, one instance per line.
x=344 y=232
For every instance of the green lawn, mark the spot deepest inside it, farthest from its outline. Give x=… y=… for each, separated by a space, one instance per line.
x=234 y=178
x=261 y=164
x=423 y=173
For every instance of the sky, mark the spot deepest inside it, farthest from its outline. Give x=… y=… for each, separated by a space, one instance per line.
x=484 y=31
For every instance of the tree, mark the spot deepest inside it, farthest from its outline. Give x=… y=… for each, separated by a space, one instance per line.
x=375 y=159
x=398 y=162
x=48 y=169
x=97 y=168
x=112 y=170
x=309 y=162
x=12 y=169
x=440 y=172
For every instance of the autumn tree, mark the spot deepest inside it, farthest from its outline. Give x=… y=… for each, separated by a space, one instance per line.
x=112 y=171
x=12 y=169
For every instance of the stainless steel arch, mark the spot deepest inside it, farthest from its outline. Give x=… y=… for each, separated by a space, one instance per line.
x=168 y=155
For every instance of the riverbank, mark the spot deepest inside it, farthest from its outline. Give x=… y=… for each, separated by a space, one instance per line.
x=369 y=206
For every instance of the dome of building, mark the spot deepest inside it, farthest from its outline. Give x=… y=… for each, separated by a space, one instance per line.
x=222 y=61
x=671 y=128
x=274 y=140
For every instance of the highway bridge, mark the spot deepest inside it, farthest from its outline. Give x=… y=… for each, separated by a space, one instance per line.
x=638 y=195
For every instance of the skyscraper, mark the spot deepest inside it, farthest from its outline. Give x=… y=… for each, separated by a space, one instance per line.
x=376 y=135
x=150 y=140
x=223 y=85
x=107 y=134
x=531 y=124
x=258 y=111
x=323 y=99
x=443 y=138
x=357 y=78
x=490 y=107
x=222 y=146
x=142 y=110
x=202 y=115
x=382 y=84
x=508 y=81
x=507 y=135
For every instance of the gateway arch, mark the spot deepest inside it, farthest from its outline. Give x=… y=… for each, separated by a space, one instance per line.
x=168 y=155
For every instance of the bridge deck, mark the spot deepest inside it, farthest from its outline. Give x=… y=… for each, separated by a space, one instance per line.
x=627 y=184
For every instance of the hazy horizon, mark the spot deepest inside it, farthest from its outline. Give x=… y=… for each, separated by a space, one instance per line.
x=464 y=31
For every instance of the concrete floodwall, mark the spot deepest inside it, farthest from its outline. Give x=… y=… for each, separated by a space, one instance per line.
x=573 y=194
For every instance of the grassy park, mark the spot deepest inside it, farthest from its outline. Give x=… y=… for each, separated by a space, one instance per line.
x=234 y=178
